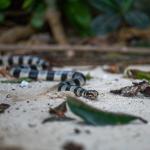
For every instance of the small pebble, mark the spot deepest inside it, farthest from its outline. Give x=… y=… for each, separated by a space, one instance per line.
x=8 y=96
x=87 y=131
x=77 y=131
x=31 y=125
x=24 y=84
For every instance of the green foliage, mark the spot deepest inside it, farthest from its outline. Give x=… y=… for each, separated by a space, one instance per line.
x=2 y=16
x=103 y=5
x=88 y=76
x=143 y=5
x=27 y=4
x=17 y=80
x=137 y=19
x=36 y=8
x=79 y=15
x=137 y=74
x=37 y=19
x=4 y=4
x=116 y=13
x=105 y=23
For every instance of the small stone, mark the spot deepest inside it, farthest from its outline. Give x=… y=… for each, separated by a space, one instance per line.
x=116 y=79
x=3 y=107
x=8 y=96
x=24 y=111
x=24 y=84
x=87 y=131
x=73 y=146
x=31 y=125
x=77 y=131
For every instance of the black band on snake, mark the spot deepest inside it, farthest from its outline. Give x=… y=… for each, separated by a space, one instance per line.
x=36 y=68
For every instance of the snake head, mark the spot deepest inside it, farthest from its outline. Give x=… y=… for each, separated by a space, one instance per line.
x=91 y=94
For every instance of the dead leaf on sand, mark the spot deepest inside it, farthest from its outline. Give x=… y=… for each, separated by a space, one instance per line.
x=3 y=107
x=73 y=146
x=130 y=91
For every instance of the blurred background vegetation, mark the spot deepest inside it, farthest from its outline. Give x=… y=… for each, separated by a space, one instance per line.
x=96 y=22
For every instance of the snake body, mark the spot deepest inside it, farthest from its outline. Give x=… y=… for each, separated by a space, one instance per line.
x=36 y=68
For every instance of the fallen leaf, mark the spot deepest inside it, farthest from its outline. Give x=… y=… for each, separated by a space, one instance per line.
x=88 y=76
x=73 y=146
x=114 y=68
x=58 y=114
x=137 y=74
x=59 y=111
x=3 y=107
x=130 y=91
x=146 y=92
x=56 y=118
x=4 y=72
x=96 y=116
x=14 y=81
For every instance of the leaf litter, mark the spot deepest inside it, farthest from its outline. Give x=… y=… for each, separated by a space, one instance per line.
x=59 y=110
x=89 y=114
x=131 y=91
x=58 y=114
x=70 y=145
x=137 y=74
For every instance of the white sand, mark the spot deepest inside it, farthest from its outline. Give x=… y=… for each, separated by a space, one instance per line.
x=21 y=124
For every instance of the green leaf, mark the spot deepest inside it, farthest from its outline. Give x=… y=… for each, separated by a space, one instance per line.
x=124 y=5
x=103 y=5
x=79 y=15
x=51 y=4
x=17 y=80
x=95 y=116
x=106 y=23
x=58 y=119
x=88 y=76
x=2 y=17
x=142 y=5
x=137 y=19
x=4 y=4
x=37 y=19
x=27 y=4
x=127 y=5
x=137 y=74
x=119 y=6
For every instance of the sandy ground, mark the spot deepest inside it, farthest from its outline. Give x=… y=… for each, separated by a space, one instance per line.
x=21 y=125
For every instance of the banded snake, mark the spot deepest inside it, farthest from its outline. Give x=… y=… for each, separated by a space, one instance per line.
x=36 y=68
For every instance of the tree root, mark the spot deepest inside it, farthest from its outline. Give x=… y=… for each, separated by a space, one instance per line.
x=16 y=34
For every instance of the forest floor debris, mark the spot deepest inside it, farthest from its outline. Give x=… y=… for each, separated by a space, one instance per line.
x=3 y=107
x=72 y=146
x=23 y=126
x=130 y=91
